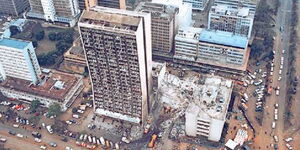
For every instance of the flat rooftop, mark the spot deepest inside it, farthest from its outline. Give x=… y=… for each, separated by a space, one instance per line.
x=108 y=19
x=228 y=10
x=157 y=10
x=223 y=38
x=48 y=86
x=211 y=94
x=14 y=43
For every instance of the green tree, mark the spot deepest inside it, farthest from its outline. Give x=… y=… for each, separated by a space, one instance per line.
x=40 y=35
x=34 y=105
x=14 y=30
x=52 y=36
x=34 y=119
x=54 y=110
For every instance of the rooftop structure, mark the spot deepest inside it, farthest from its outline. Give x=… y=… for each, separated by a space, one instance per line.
x=204 y=99
x=184 y=16
x=18 y=60
x=201 y=47
x=117 y=45
x=162 y=25
x=223 y=38
x=6 y=23
x=64 y=11
x=235 y=20
x=198 y=5
x=56 y=87
x=251 y=4
x=13 y=7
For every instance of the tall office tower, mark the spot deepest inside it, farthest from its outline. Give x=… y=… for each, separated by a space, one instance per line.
x=251 y=4
x=162 y=25
x=18 y=60
x=235 y=20
x=117 y=45
x=65 y=11
x=198 y=5
x=119 y=4
x=86 y=4
x=13 y=7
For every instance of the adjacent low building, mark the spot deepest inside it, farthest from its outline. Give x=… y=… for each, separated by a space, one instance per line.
x=206 y=116
x=56 y=87
x=18 y=60
x=235 y=20
x=216 y=50
x=74 y=59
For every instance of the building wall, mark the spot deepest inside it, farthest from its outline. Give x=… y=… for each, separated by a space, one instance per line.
x=197 y=4
x=27 y=97
x=13 y=7
x=66 y=11
x=118 y=74
x=234 y=24
x=20 y=63
x=86 y=4
x=119 y=4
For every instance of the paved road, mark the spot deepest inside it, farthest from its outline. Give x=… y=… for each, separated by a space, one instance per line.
x=29 y=141
x=265 y=132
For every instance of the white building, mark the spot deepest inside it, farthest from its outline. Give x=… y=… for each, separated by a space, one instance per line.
x=251 y=4
x=201 y=47
x=223 y=17
x=207 y=114
x=18 y=60
x=65 y=11
x=117 y=45
x=184 y=16
x=198 y=5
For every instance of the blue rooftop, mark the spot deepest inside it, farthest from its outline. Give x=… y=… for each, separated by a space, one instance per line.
x=223 y=38
x=14 y=43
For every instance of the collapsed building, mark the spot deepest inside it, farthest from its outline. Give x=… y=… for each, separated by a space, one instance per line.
x=205 y=100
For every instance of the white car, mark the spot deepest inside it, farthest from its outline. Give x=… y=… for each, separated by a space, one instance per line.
x=283 y=51
x=281 y=66
x=279 y=78
x=3 y=140
x=275 y=138
x=280 y=72
x=273 y=125
x=289 y=139
x=20 y=135
x=277 y=92
x=43 y=147
x=37 y=140
x=69 y=148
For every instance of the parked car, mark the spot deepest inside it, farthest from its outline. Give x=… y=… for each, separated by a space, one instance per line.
x=52 y=144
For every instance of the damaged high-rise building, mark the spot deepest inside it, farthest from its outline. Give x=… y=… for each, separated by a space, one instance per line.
x=117 y=45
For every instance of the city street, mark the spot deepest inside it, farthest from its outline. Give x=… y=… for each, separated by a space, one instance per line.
x=265 y=135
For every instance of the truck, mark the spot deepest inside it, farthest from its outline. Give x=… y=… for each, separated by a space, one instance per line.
x=49 y=129
x=152 y=141
x=246 y=96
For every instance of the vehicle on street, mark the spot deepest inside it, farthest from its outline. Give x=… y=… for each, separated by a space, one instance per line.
x=288 y=146
x=277 y=92
x=279 y=78
x=275 y=138
x=20 y=135
x=289 y=139
x=15 y=125
x=49 y=129
x=52 y=144
x=152 y=141
x=37 y=140
x=69 y=148
x=43 y=147
x=283 y=51
x=3 y=140
x=12 y=132
x=273 y=125
x=64 y=139
x=36 y=134
x=280 y=72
